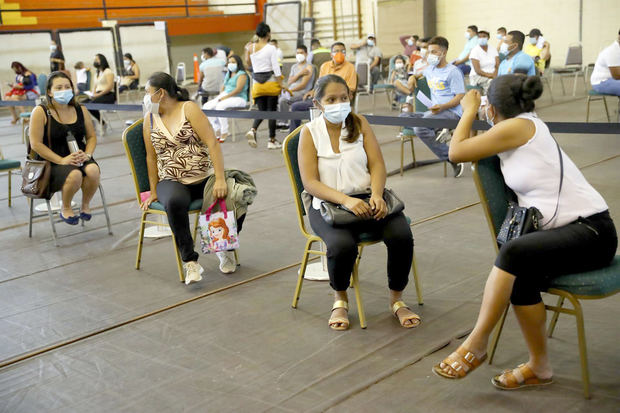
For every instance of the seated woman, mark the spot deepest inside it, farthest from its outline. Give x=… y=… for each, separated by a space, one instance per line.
x=176 y=133
x=25 y=87
x=70 y=171
x=338 y=155
x=577 y=232
x=399 y=79
x=104 y=84
x=234 y=95
x=131 y=74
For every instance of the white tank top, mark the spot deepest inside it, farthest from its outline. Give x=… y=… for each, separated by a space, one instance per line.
x=532 y=171
x=346 y=171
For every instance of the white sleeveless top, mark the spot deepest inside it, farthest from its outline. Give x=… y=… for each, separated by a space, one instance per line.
x=532 y=171
x=346 y=171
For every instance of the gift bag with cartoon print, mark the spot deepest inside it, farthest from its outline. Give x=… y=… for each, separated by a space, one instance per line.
x=218 y=230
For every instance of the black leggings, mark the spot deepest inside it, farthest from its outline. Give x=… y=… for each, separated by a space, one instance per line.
x=584 y=245
x=269 y=103
x=107 y=98
x=176 y=198
x=342 y=243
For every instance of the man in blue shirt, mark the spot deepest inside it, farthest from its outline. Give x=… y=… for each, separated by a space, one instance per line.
x=462 y=62
x=514 y=57
x=447 y=89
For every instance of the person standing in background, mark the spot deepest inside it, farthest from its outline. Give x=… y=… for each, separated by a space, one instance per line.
x=57 y=59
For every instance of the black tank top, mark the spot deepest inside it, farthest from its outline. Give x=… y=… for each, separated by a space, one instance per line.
x=59 y=132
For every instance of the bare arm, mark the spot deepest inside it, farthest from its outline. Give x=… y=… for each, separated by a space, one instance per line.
x=109 y=84
x=136 y=72
x=506 y=135
x=545 y=52
x=403 y=39
x=37 y=130
x=476 y=66
x=375 y=62
x=241 y=81
x=306 y=75
x=615 y=72
x=463 y=60
x=151 y=161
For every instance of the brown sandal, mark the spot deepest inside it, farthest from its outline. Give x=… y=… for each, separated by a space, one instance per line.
x=461 y=362
x=518 y=378
x=414 y=318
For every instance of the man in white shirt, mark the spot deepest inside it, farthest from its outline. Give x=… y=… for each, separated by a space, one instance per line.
x=606 y=74
x=484 y=61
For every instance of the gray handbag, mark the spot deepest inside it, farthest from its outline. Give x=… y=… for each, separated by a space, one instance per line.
x=338 y=215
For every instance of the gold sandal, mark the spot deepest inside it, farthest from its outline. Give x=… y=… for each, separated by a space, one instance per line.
x=518 y=378
x=339 y=320
x=414 y=318
x=461 y=362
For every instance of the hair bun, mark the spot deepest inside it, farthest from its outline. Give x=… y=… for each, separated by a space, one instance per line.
x=531 y=89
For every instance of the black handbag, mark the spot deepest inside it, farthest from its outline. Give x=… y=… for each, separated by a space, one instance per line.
x=37 y=171
x=339 y=215
x=521 y=220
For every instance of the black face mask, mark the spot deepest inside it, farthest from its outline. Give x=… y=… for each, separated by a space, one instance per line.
x=97 y=65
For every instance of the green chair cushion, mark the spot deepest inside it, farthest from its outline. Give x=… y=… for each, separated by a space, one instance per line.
x=600 y=282
x=383 y=86
x=194 y=206
x=472 y=87
x=408 y=131
x=593 y=92
x=25 y=115
x=6 y=164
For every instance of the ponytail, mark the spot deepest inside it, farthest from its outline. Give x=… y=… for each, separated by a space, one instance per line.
x=161 y=80
x=514 y=94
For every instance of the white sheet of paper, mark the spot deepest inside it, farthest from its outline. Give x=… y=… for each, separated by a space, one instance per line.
x=88 y=93
x=424 y=99
x=160 y=25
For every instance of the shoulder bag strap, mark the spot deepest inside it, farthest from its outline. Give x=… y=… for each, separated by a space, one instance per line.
x=557 y=205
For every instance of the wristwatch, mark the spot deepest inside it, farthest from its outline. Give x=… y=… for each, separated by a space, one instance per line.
x=89 y=156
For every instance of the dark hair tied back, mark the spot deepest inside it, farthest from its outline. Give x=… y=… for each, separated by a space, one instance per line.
x=161 y=80
x=514 y=94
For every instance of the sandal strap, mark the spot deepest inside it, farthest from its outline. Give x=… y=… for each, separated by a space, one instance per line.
x=462 y=361
x=340 y=304
x=398 y=305
x=516 y=376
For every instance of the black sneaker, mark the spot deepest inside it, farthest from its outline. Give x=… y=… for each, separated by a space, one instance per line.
x=459 y=168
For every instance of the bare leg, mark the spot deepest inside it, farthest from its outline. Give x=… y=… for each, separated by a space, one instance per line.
x=402 y=88
x=90 y=183
x=71 y=186
x=532 y=322
x=402 y=312
x=340 y=312
x=13 y=110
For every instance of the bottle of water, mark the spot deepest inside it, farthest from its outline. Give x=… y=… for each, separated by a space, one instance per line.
x=72 y=143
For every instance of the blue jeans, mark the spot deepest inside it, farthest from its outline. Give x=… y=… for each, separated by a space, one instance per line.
x=301 y=106
x=427 y=135
x=465 y=68
x=608 y=87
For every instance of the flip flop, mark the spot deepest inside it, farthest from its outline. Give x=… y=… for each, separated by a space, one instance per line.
x=518 y=378
x=339 y=320
x=74 y=220
x=85 y=216
x=461 y=363
x=414 y=318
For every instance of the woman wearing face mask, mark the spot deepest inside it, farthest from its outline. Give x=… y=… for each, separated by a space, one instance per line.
x=24 y=88
x=339 y=155
x=577 y=232
x=399 y=79
x=104 y=85
x=131 y=72
x=182 y=155
x=484 y=61
x=234 y=95
x=263 y=58
x=57 y=58
x=70 y=170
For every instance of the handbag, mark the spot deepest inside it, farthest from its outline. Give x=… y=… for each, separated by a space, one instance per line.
x=521 y=220
x=339 y=215
x=218 y=230
x=37 y=172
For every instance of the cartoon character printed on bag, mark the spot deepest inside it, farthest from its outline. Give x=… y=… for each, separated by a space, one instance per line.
x=219 y=235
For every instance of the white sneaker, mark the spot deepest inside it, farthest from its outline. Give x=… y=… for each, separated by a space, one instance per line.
x=228 y=264
x=444 y=136
x=274 y=145
x=251 y=137
x=192 y=272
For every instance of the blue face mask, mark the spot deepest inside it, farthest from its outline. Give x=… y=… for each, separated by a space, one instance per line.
x=433 y=59
x=483 y=41
x=533 y=40
x=337 y=112
x=63 y=96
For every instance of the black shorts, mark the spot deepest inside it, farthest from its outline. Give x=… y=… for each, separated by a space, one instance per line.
x=59 y=174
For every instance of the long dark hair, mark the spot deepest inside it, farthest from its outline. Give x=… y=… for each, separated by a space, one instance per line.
x=50 y=82
x=161 y=80
x=514 y=94
x=240 y=66
x=103 y=63
x=352 y=122
x=22 y=69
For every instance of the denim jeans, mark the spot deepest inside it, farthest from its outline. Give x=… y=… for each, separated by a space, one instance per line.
x=609 y=87
x=427 y=135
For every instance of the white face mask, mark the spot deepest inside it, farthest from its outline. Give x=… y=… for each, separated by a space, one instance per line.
x=423 y=51
x=467 y=35
x=433 y=59
x=300 y=57
x=398 y=65
x=127 y=62
x=370 y=42
x=488 y=118
x=149 y=105
x=337 y=112
x=503 y=49
x=499 y=36
x=53 y=47
x=410 y=42
x=203 y=57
